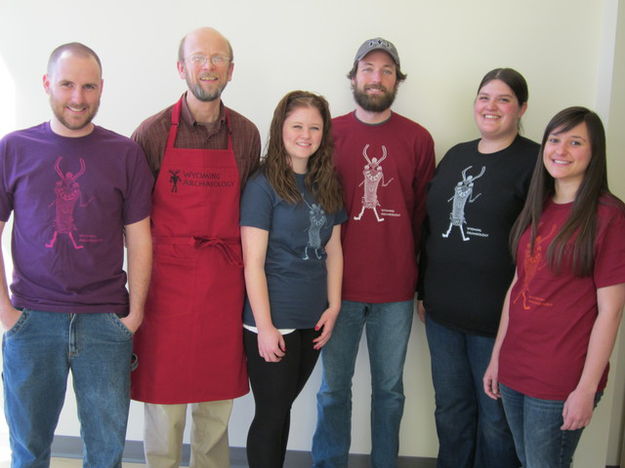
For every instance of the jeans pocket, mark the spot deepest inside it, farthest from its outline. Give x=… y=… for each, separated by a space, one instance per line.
x=120 y=325
x=19 y=325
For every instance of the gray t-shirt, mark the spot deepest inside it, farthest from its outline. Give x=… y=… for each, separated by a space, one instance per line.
x=295 y=262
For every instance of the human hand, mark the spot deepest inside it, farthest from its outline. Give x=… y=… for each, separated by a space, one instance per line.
x=421 y=311
x=491 y=380
x=271 y=345
x=326 y=325
x=577 y=411
x=132 y=322
x=9 y=317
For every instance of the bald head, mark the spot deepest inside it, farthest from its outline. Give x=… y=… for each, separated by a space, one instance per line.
x=72 y=48
x=209 y=36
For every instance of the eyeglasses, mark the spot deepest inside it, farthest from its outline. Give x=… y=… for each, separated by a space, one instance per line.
x=199 y=59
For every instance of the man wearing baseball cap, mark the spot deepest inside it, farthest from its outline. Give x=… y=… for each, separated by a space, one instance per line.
x=384 y=161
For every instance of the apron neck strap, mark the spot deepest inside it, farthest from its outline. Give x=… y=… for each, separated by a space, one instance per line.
x=228 y=129
x=175 y=123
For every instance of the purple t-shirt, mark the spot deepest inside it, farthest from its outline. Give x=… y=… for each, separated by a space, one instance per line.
x=71 y=198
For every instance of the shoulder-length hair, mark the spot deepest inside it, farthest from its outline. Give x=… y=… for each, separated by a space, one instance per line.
x=321 y=178
x=582 y=222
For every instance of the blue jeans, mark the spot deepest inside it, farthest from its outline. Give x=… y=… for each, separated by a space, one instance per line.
x=472 y=428
x=535 y=425
x=388 y=329
x=38 y=353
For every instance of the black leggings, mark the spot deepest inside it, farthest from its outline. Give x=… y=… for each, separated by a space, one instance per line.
x=275 y=386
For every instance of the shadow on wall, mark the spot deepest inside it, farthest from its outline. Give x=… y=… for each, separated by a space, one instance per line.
x=7 y=98
x=7 y=124
x=8 y=118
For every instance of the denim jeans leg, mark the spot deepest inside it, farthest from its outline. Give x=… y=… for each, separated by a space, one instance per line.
x=331 y=441
x=514 y=406
x=456 y=405
x=495 y=445
x=472 y=428
x=537 y=422
x=35 y=370
x=388 y=330
x=100 y=353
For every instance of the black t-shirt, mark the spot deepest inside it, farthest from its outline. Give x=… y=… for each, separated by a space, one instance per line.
x=472 y=202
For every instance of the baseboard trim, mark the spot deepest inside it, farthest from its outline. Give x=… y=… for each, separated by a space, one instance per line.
x=71 y=447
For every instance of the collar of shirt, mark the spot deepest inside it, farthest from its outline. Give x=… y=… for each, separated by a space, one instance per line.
x=211 y=128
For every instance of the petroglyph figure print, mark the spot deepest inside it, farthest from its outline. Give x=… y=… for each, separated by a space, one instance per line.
x=174 y=178
x=532 y=262
x=68 y=193
x=373 y=178
x=462 y=195
x=317 y=219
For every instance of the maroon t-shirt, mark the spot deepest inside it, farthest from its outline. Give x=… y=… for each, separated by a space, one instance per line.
x=384 y=169
x=71 y=199
x=552 y=315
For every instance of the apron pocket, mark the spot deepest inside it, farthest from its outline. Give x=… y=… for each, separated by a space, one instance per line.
x=173 y=285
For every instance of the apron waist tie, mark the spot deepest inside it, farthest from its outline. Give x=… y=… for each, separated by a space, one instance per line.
x=226 y=246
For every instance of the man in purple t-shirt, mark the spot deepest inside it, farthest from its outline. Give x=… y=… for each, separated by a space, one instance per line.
x=78 y=191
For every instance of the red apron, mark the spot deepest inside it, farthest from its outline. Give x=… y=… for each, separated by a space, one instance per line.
x=190 y=345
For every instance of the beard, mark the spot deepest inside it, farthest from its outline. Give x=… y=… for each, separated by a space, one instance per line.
x=202 y=94
x=57 y=109
x=375 y=102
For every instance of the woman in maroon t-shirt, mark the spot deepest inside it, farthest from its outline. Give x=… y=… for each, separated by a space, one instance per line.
x=561 y=314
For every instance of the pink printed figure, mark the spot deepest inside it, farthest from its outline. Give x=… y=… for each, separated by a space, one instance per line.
x=532 y=263
x=67 y=192
x=373 y=178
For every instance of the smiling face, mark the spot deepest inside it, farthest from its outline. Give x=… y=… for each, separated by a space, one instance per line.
x=204 y=68
x=497 y=111
x=302 y=133
x=74 y=85
x=566 y=155
x=375 y=83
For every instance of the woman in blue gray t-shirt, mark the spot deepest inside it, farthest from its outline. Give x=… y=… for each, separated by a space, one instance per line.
x=291 y=212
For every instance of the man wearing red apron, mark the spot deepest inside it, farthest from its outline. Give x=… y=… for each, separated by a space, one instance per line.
x=189 y=348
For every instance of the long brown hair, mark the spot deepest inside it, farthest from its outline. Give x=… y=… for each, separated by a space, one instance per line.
x=321 y=178
x=582 y=222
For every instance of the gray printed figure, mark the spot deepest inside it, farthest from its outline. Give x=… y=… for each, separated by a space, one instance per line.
x=462 y=195
x=373 y=177
x=67 y=192
x=317 y=220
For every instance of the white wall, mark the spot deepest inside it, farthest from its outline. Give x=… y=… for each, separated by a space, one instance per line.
x=565 y=49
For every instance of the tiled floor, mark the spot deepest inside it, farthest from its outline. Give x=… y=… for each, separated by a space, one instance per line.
x=5 y=453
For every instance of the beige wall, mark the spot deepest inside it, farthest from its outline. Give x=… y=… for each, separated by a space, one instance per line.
x=565 y=49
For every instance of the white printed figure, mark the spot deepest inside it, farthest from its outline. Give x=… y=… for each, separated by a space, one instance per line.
x=373 y=177
x=317 y=220
x=462 y=194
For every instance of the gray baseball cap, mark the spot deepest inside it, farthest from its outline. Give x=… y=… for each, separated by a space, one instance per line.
x=377 y=43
